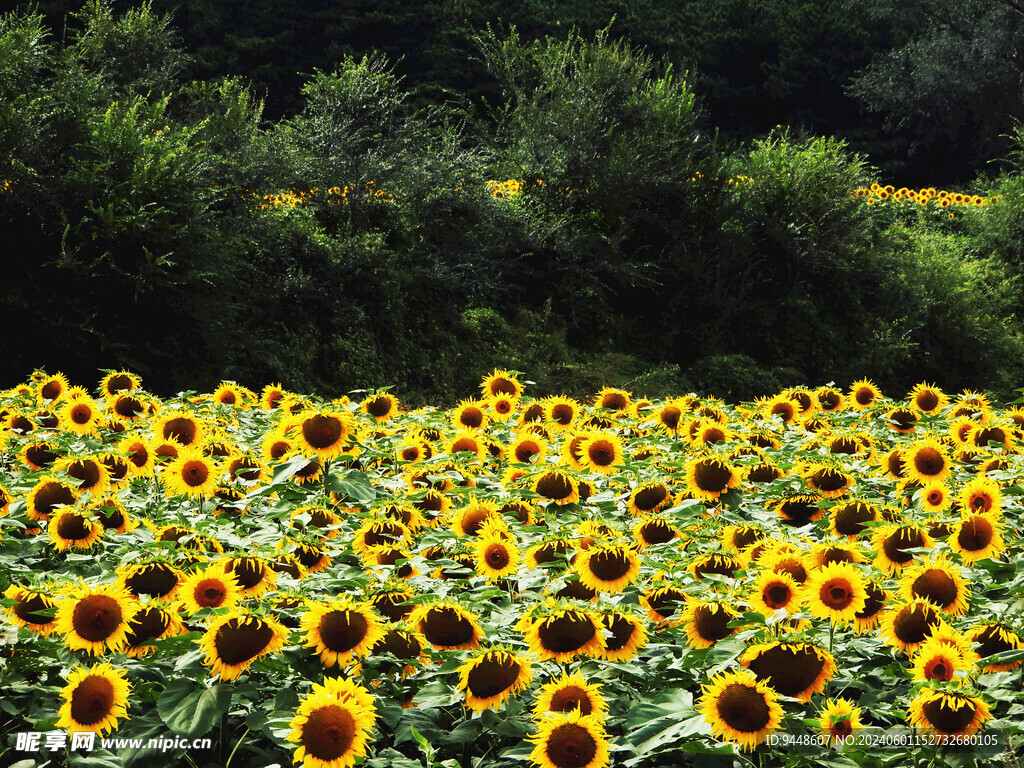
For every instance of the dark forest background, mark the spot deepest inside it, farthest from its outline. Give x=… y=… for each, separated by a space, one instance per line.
x=141 y=140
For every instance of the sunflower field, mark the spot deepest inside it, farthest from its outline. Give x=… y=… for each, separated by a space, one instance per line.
x=823 y=577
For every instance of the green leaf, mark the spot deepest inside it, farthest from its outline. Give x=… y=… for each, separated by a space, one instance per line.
x=192 y=710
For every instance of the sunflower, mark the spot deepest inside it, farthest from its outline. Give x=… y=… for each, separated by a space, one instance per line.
x=467 y=441
x=723 y=565
x=947 y=714
x=938 y=581
x=782 y=407
x=625 y=635
x=73 y=528
x=496 y=557
x=570 y=692
x=649 y=498
x=977 y=537
x=651 y=530
x=992 y=638
x=191 y=474
x=836 y=592
x=50 y=389
x=152 y=622
x=150 y=579
x=501 y=382
x=182 y=427
x=902 y=420
x=907 y=625
x=839 y=719
x=211 y=587
x=141 y=459
x=983 y=434
x=96 y=619
x=527 y=448
x=775 y=591
x=469 y=415
x=935 y=498
x=341 y=630
x=938 y=661
x=470 y=519
x=827 y=480
x=88 y=474
x=558 y=487
x=892 y=543
x=705 y=622
x=569 y=740
x=708 y=477
x=863 y=394
x=446 y=625
x=740 y=708
x=381 y=406
x=405 y=645
x=848 y=518
x=607 y=568
x=980 y=496
x=492 y=676
x=792 y=669
x=613 y=399
x=829 y=399
x=565 y=633
x=323 y=433
x=235 y=640
x=926 y=461
x=798 y=510
x=80 y=416
x=32 y=610
x=601 y=452
x=332 y=724
x=117 y=382
x=94 y=699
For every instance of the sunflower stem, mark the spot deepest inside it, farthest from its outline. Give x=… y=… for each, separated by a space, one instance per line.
x=831 y=635
x=237 y=745
x=327 y=471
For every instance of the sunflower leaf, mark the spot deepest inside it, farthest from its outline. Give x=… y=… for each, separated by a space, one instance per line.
x=192 y=710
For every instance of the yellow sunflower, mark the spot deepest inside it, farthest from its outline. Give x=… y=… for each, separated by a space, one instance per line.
x=341 y=630
x=977 y=537
x=926 y=461
x=233 y=641
x=501 y=382
x=569 y=740
x=906 y=626
x=625 y=635
x=607 y=568
x=570 y=692
x=496 y=557
x=839 y=719
x=947 y=714
x=381 y=406
x=708 y=477
x=980 y=496
x=152 y=622
x=87 y=474
x=740 y=708
x=211 y=587
x=928 y=398
x=836 y=592
x=191 y=474
x=565 y=633
x=446 y=625
x=490 y=677
x=154 y=579
x=324 y=433
x=332 y=724
x=992 y=638
x=892 y=543
x=706 y=622
x=469 y=415
x=95 y=619
x=562 y=412
x=775 y=591
x=81 y=416
x=792 y=669
x=32 y=610
x=94 y=699
x=863 y=394
x=527 y=448
x=601 y=452
x=558 y=487
x=71 y=528
x=938 y=661
x=938 y=581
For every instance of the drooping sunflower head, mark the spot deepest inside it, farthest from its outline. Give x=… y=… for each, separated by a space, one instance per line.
x=848 y=518
x=446 y=625
x=501 y=382
x=907 y=625
x=341 y=630
x=568 y=693
x=154 y=621
x=740 y=708
x=490 y=677
x=50 y=389
x=977 y=537
x=626 y=635
x=708 y=477
x=947 y=714
x=608 y=568
x=85 y=473
x=705 y=622
x=893 y=542
x=792 y=669
x=991 y=638
x=938 y=581
x=233 y=641
x=558 y=487
x=563 y=633
x=381 y=406
x=32 y=610
x=73 y=528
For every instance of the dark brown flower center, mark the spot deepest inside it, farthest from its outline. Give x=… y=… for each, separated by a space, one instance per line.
x=92 y=700
x=329 y=732
x=743 y=708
